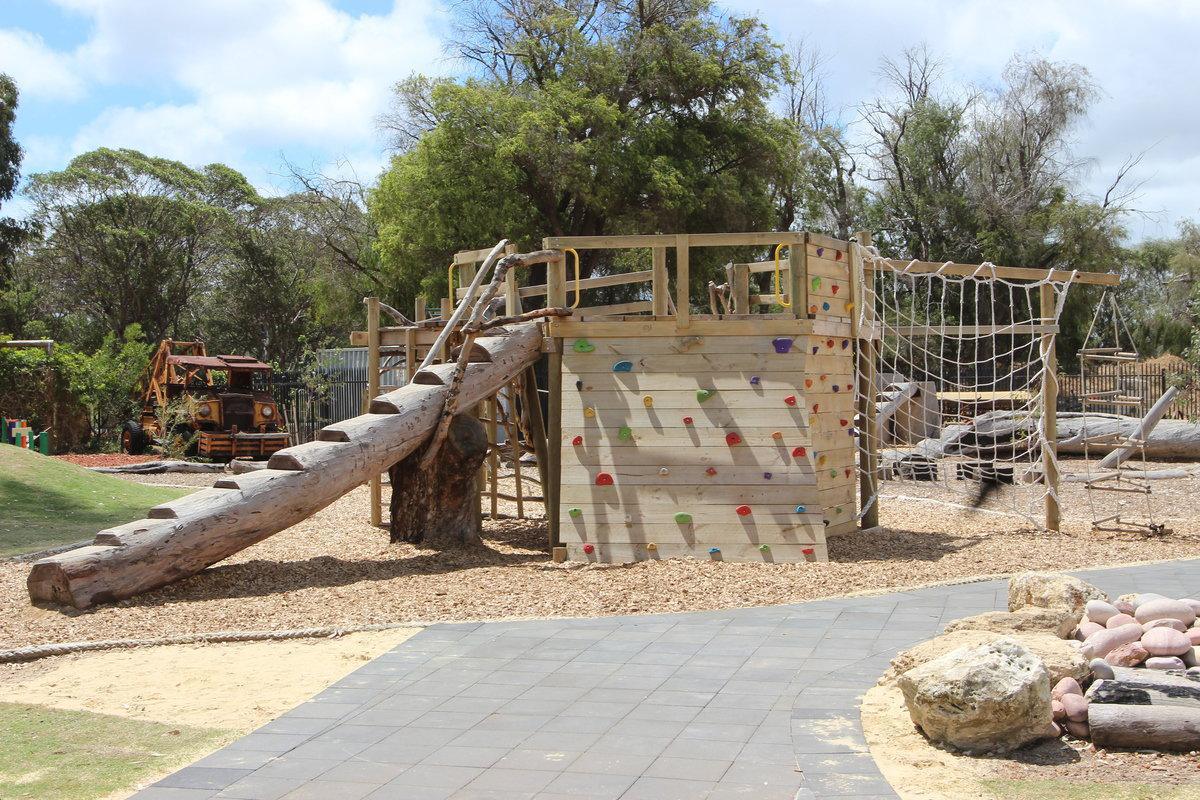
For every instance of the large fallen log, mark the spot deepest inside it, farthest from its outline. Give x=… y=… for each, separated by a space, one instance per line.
x=184 y=536
x=1145 y=727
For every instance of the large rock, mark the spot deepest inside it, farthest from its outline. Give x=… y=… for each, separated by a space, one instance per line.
x=993 y=698
x=1057 y=621
x=1165 y=609
x=1051 y=590
x=1062 y=660
x=1165 y=642
x=1098 y=645
x=1127 y=655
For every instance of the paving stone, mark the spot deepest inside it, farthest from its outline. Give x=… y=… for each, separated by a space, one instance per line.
x=257 y=787
x=212 y=778
x=650 y=788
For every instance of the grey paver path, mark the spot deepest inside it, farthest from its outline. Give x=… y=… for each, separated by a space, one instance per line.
x=748 y=703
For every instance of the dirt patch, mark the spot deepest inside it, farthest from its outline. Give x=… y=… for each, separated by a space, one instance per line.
x=918 y=770
x=106 y=459
x=234 y=687
x=335 y=569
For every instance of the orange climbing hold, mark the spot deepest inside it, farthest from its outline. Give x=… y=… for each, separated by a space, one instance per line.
x=710 y=472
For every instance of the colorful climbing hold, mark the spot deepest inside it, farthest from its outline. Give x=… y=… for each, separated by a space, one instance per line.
x=808 y=551
x=843 y=422
x=733 y=438
x=664 y=471
x=801 y=509
x=829 y=343
x=710 y=471
x=767 y=475
x=579 y=385
x=782 y=344
x=589 y=549
x=683 y=518
x=824 y=378
x=835 y=288
x=833 y=473
x=816 y=283
x=583 y=346
x=835 y=388
x=743 y=511
x=849 y=471
x=849 y=306
x=589 y=412
x=815 y=407
x=808 y=383
x=816 y=349
x=820 y=252
x=790 y=400
x=651 y=546
x=799 y=452
x=604 y=479
x=624 y=434
x=688 y=420
x=820 y=461
x=837 y=255
x=578 y=440
x=764 y=547
x=825 y=306
x=755 y=380
x=812 y=309
x=648 y=401
x=776 y=434
x=845 y=343
x=704 y=394
x=714 y=551
x=623 y=366
x=575 y=512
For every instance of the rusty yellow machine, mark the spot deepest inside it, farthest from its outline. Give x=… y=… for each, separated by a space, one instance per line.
x=228 y=407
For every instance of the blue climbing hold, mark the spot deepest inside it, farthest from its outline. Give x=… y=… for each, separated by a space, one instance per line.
x=714 y=551
x=824 y=306
x=801 y=509
x=755 y=380
x=623 y=366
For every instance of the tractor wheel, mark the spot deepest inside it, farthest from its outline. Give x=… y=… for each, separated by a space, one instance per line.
x=133 y=438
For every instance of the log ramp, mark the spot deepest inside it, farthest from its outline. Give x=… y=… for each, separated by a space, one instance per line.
x=184 y=536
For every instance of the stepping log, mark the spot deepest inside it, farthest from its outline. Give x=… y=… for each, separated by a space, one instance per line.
x=1141 y=727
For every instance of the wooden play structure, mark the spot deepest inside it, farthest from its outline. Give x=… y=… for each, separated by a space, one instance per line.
x=750 y=433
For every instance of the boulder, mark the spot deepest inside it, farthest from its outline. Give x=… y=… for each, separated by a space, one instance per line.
x=1079 y=730
x=1076 y=707
x=1145 y=597
x=1125 y=607
x=1098 y=645
x=1166 y=623
x=992 y=698
x=1098 y=611
x=1165 y=662
x=1051 y=590
x=1062 y=660
x=1191 y=658
x=1117 y=620
x=1101 y=669
x=1057 y=710
x=1193 y=635
x=1057 y=621
x=1065 y=687
x=1165 y=609
x=1165 y=642
x=1194 y=605
x=1086 y=629
x=1127 y=655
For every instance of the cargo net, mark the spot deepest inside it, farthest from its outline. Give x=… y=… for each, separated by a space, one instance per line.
x=959 y=366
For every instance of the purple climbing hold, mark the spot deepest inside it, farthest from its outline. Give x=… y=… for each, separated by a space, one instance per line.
x=755 y=380
x=782 y=344
x=767 y=475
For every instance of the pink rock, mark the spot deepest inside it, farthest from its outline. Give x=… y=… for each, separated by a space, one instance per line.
x=1057 y=710
x=1065 y=687
x=1193 y=604
x=1117 y=620
x=1191 y=658
x=1193 y=635
x=1076 y=707
x=1098 y=645
x=1165 y=609
x=1099 y=611
x=1054 y=731
x=1165 y=642
x=1165 y=623
x=1086 y=629
x=1127 y=655
x=1079 y=730
x=1164 y=662
x=1125 y=607
x=1146 y=597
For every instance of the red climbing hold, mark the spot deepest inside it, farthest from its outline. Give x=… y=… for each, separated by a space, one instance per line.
x=578 y=440
x=799 y=452
x=732 y=438
x=849 y=470
x=743 y=511
x=808 y=383
x=816 y=407
x=687 y=420
x=604 y=479
x=843 y=422
x=710 y=471
x=837 y=255
x=835 y=288
x=808 y=551
x=589 y=549
x=829 y=342
x=790 y=399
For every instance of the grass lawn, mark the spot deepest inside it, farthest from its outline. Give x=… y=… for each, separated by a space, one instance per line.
x=77 y=755
x=46 y=502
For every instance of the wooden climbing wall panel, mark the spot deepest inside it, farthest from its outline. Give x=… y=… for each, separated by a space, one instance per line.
x=738 y=448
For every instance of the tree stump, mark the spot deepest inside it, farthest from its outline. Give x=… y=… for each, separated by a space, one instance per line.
x=439 y=507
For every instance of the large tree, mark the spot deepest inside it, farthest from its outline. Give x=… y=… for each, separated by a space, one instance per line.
x=582 y=117
x=15 y=295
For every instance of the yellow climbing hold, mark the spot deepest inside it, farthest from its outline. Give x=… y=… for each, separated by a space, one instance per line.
x=589 y=412
x=648 y=401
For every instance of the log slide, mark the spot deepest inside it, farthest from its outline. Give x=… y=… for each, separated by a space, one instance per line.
x=184 y=536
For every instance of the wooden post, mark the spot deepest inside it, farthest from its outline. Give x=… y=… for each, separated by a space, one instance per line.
x=867 y=353
x=741 y=289
x=493 y=458
x=659 y=287
x=419 y=313
x=1050 y=409
x=513 y=431
x=556 y=296
x=373 y=363
x=410 y=354
x=683 y=307
x=798 y=266
x=536 y=427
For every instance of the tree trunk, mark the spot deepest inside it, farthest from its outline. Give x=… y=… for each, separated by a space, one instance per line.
x=1145 y=727
x=439 y=506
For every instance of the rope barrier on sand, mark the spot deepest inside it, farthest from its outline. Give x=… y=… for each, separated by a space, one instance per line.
x=40 y=651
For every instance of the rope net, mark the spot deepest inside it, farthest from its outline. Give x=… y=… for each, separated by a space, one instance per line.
x=958 y=367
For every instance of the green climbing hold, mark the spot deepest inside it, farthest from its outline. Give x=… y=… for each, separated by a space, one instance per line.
x=704 y=394
x=583 y=346
x=625 y=434
x=576 y=512
x=816 y=283
x=683 y=518
x=833 y=473
x=764 y=547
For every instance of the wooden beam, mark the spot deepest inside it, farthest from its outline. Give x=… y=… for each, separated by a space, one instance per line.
x=757 y=238
x=756 y=325
x=373 y=364
x=1012 y=273
x=619 y=279
x=660 y=287
x=1050 y=411
x=867 y=353
x=798 y=277
x=683 y=304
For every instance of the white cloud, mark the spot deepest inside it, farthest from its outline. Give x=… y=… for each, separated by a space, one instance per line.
x=38 y=70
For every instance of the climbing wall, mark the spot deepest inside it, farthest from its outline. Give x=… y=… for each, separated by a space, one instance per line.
x=738 y=448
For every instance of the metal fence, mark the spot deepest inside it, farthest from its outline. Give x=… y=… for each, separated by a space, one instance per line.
x=1133 y=380
x=335 y=392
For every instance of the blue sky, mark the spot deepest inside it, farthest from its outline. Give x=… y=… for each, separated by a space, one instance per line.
x=252 y=82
